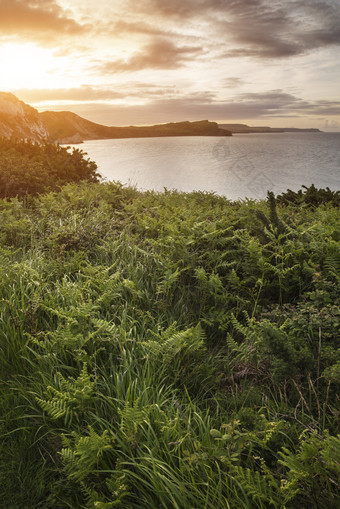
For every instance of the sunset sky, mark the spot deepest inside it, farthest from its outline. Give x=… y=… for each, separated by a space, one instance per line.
x=122 y=62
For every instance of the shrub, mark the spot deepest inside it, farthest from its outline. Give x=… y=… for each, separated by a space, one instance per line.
x=27 y=168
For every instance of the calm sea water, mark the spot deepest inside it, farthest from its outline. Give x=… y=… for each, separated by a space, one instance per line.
x=237 y=167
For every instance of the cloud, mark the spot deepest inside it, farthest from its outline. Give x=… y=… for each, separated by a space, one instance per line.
x=275 y=103
x=88 y=93
x=167 y=106
x=278 y=103
x=36 y=20
x=258 y=28
x=160 y=53
x=233 y=82
x=83 y=94
x=129 y=27
x=324 y=108
x=330 y=124
x=246 y=28
x=280 y=29
x=182 y=9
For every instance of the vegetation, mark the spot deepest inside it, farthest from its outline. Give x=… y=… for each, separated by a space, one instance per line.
x=311 y=196
x=168 y=350
x=30 y=168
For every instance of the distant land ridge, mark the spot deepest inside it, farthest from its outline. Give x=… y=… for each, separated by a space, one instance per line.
x=67 y=127
x=246 y=129
x=19 y=120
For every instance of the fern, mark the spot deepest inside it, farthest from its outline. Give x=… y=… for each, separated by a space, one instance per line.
x=272 y=224
x=307 y=460
x=247 y=350
x=239 y=351
x=132 y=416
x=171 y=344
x=84 y=456
x=331 y=265
x=168 y=281
x=69 y=400
x=263 y=488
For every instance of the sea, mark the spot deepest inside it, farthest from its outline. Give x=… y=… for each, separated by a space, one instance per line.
x=238 y=167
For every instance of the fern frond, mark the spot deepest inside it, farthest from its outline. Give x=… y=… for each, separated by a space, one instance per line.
x=69 y=399
x=261 y=487
x=86 y=453
x=171 y=343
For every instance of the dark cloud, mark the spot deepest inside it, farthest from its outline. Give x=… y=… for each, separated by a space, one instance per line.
x=277 y=103
x=324 y=108
x=246 y=28
x=233 y=82
x=242 y=106
x=161 y=53
x=259 y=28
x=36 y=19
x=280 y=29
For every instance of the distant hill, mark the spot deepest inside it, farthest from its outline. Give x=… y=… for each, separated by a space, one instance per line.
x=67 y=127
x=19 y=120
x=246 y=129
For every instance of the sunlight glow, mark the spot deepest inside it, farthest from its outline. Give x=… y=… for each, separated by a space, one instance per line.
x=25 y=65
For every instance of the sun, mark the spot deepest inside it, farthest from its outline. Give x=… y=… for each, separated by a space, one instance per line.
x=25 y=66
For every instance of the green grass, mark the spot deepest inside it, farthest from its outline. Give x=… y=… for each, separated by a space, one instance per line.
x=168 y=350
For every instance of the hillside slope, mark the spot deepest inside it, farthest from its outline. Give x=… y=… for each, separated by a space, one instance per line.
x=19 y=120
x=67 y=127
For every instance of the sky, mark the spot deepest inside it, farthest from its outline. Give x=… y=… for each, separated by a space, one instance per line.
x=138 y=62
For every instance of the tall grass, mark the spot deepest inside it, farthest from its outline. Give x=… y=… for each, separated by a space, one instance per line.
x=167 y=350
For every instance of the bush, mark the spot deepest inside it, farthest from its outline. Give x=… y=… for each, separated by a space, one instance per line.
x=27 y=168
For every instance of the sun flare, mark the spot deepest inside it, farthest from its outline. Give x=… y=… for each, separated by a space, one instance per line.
x=25 y=66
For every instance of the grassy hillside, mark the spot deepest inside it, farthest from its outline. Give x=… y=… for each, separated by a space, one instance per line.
x=168 y=350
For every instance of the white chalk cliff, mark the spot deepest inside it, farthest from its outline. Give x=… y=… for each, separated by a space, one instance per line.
x=19 y=120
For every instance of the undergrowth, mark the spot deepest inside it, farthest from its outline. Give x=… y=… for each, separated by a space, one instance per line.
x=168 y=350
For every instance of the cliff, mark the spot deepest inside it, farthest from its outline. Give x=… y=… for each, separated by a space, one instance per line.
x=19 y=120
x=67 y=127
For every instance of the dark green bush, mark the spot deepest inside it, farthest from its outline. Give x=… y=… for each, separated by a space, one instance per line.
x=27 y=168
x=311 y=196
